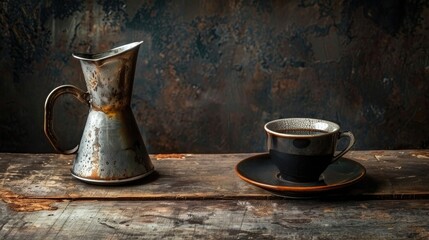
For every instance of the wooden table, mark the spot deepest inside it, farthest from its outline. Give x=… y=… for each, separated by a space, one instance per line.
x=199 y=196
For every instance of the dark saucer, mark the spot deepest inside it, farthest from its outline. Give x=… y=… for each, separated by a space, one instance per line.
x=260 y=171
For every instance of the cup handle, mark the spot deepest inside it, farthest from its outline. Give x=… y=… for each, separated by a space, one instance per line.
x=48 y=117
x=351 y=138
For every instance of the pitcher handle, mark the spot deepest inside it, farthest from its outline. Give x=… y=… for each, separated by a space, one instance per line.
x=351 y=138
x=49 y=105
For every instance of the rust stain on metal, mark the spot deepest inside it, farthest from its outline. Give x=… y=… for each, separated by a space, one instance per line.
x=169 y=156
x=110 y=110
x=95 y=156
x=21 y=203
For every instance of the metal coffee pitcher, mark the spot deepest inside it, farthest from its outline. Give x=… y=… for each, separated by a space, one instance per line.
x=111 y=149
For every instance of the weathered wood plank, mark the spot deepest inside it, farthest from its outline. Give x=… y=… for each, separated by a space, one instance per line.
x=390 y=174
x=221 y=219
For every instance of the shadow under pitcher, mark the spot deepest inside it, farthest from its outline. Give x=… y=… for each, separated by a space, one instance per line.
x=111 y=150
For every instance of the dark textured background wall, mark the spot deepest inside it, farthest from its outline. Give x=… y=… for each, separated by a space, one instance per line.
x=211 y=73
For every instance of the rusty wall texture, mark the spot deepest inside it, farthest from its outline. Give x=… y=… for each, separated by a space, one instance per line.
x=211 y=73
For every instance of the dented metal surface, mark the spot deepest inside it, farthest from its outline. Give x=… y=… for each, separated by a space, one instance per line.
x=111 y=149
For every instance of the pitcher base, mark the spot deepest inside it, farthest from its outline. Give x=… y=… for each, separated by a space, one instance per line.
x=112 y=182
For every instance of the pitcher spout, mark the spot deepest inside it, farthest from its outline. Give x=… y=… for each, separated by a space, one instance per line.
x=110 y=53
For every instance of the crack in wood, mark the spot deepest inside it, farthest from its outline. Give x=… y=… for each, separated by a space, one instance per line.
x=176 y=156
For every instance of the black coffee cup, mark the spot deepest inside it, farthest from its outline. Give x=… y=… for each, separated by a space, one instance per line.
x=302 y=148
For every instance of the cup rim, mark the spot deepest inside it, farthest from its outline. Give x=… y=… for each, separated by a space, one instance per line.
x=288 y=135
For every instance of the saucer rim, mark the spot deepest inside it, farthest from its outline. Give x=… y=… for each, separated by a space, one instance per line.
x=300 y=189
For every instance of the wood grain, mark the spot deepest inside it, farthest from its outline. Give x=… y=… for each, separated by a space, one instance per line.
x=221 y=219
x=198 y=196
x=390 y=174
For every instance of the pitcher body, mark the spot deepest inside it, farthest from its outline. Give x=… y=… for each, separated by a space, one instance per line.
x=111 y=149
